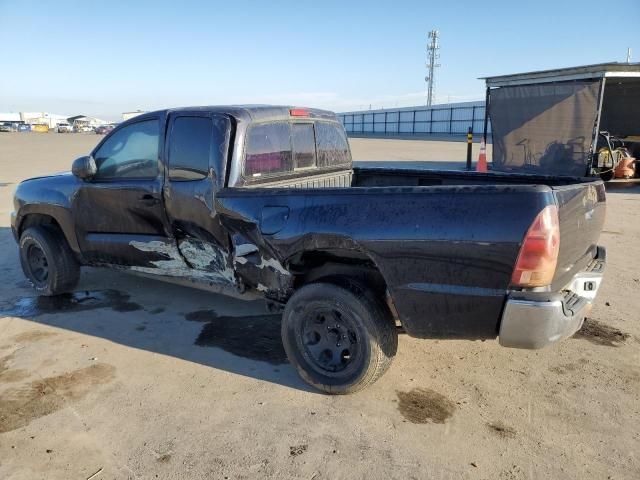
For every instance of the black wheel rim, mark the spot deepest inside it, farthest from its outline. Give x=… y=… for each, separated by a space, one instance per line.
x=38 y=265
x=330 y=340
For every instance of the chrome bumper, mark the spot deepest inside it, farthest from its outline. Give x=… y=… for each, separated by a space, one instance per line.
x=535 y=320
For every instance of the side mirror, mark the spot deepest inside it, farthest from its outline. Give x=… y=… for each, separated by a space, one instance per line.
x=84 y=167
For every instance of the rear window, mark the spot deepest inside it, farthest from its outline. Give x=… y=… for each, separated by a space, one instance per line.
x=304 y=145
x=333 y=148
x=268 y=149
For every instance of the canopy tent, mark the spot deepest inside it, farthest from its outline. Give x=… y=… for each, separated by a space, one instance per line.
x=548 y=122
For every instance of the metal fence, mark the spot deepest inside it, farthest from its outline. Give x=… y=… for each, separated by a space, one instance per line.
x=451 y=119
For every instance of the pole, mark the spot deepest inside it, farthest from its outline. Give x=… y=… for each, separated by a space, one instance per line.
x=487 y=102
x=469 y=147
x=593 y=156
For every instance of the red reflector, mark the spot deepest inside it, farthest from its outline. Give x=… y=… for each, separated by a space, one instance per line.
x=536 y=264
x=299 y=112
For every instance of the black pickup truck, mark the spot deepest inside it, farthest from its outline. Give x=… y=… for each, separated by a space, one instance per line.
x=264 y=201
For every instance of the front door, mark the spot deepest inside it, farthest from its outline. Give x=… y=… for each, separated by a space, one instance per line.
x=119 y=214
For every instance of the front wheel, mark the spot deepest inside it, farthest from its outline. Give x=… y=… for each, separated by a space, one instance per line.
x=47 y=261
x=341 y=339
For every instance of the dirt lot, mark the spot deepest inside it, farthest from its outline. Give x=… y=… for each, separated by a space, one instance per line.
x=133 y=378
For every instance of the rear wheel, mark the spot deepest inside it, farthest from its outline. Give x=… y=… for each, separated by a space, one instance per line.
x=340 y=338
x=47 y=261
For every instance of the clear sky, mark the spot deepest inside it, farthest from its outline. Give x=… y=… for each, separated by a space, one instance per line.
x=101 y=58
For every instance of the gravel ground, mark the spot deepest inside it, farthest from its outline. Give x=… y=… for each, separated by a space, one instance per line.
x=133 y=378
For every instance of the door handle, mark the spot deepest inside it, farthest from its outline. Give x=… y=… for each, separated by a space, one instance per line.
x=149 y=199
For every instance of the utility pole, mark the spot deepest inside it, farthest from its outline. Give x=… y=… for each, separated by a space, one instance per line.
x=432 y=64
x=629 y=55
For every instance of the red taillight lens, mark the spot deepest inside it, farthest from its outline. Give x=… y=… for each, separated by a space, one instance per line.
x=299 y=112
x=538 y=255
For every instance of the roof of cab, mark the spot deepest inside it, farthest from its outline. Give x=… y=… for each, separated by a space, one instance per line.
x=254 y=113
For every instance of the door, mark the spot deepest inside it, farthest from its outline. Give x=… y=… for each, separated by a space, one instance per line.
x=121 y=207
x=196 y=150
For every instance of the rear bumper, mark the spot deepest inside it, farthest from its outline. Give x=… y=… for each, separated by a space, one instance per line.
x=537 y=319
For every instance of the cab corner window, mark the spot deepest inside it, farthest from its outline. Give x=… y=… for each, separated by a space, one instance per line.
x=130 y=152
x=333 y=148
x=268 y=149
x=304 y=145
x=190 y=148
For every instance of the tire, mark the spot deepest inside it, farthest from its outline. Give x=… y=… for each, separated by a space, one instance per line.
x=607 y=175
x=47 y=261
x=341 y=339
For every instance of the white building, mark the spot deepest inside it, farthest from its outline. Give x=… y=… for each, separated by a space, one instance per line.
x=84 y=121
x=50 y=119
x=10 y=117
x=34 y=118
x=127 y=115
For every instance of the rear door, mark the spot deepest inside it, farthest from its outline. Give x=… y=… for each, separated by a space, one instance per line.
x=196 y=153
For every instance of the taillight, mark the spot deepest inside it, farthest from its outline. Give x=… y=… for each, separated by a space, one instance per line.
x=299 y=112
x=538 y=255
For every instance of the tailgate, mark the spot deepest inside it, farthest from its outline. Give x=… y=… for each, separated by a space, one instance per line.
x=581 y=211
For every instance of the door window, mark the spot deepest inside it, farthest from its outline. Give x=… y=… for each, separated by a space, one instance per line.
x=130 y=152
x=190 y=148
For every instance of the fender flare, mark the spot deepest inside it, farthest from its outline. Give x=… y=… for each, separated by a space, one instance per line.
x=60 y=214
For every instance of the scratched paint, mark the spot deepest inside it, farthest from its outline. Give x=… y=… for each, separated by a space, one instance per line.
x=274 y=264
x=244 y=249
x=175 y=265
x=248 y=248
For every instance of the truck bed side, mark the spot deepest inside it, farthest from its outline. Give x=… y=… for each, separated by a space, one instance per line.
x=446 y=253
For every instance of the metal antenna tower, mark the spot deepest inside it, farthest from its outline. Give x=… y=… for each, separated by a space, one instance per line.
x=432 y=63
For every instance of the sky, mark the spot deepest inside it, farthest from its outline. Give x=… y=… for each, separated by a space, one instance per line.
x=105 y=58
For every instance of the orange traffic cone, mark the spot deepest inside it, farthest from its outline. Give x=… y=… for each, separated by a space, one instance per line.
x=481 y=166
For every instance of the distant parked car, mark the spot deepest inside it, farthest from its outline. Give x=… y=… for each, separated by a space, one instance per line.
x=82 y=128
x=5 y=127
x=103 y=129
x=40 y=128
x=24 y=127
x=64 y=128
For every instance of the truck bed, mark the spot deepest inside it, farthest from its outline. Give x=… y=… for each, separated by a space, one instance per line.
x=447 y=240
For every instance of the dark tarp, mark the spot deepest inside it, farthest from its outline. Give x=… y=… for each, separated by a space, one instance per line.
x=544 y=128
x=621 y=107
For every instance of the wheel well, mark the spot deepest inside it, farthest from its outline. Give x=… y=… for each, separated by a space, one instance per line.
x=335 y=266
x=36 y=219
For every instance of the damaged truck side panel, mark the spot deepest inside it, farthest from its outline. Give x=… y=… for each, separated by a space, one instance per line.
x=264 y=202
x=448 y=279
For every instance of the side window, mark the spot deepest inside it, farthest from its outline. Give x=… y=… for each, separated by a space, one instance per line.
x=304 y=145
x=268 y=149
x=131 y=152
x=190 y=148
x=333 y=148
